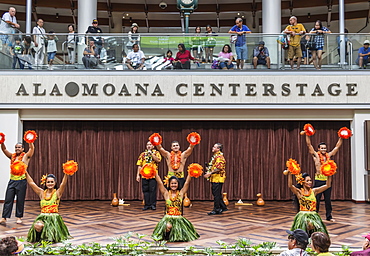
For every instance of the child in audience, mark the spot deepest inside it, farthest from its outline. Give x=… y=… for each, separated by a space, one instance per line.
x=51 y=48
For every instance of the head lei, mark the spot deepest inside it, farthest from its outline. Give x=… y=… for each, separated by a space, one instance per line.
x=43 y=179
x=299 y=178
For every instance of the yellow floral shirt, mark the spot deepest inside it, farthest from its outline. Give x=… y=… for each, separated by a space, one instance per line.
x=218 y=162
x=146 y=158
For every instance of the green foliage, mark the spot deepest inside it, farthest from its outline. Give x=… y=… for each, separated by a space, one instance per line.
x=345 y=251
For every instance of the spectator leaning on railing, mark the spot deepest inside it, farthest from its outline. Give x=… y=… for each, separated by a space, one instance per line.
x=295 y=30
x=319 y=30
x=11 y=20
x=241 y=42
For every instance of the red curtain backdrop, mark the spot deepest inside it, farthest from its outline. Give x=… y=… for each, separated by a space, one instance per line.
x=255 y=151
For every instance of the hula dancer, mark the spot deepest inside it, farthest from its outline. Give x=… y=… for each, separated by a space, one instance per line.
x=17 y=185
x=49 y=225
x=176 y=159
x=321 y=158
x=174 y=227
x=307 y=218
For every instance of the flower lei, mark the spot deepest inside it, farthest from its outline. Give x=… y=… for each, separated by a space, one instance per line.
x=210 y=164
x=173 y=199
x=308 y=193
x=322 y=157
x=15 y=157
x=175 y=164
x=48 y=198
x=147 y=156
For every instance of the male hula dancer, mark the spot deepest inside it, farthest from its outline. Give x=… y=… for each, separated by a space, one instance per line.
x=320 y=157
x=217 y=175
x=176 y=159
x=149 y=186
x=17 y=184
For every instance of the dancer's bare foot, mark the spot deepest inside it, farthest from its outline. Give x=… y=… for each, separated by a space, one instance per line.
x=19 y=221
x=3 y=221
x=332 y=220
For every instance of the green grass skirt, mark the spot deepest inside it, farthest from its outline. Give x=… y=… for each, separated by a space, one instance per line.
x=309 y=222
x=54 y=229
x=182 y=229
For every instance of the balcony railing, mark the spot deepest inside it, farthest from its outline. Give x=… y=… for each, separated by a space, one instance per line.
x=113 y=50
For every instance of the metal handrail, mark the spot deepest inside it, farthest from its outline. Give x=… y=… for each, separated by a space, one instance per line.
x=350 y=46
x=63 y=53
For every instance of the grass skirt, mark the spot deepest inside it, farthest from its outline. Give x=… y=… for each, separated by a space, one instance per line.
x=309 y=222
x=182 y=229
x=54 y=229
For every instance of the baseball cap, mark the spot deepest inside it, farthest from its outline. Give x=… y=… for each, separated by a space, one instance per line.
x=95 y=21
x=134 y=25
x=299 y=235
x=367 y=236
x=262 y=42
x=366 y=42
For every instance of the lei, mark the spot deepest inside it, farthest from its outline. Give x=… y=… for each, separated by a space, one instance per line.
x=15 y=157
x=210 y=164
x=147 y=156
x=173 y=199
x=175 y=160
x=322 y=157
x=48 y=198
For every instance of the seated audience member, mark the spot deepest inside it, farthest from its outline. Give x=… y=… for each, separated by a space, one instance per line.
x=168 y=60
x=225 y=58
x=183 y=57
x=363 y=55
x=89 y=59
x=320 y=243
x=365 y=247
x=297 y=243
x=10 y=246
x=135 y=59
x=261 y=55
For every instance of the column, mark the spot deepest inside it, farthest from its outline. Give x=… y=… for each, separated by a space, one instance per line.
x=13 y=130
x=117 y=21
x=271 y=24
x=28 y=16
x=87 y=11
x=358 y=154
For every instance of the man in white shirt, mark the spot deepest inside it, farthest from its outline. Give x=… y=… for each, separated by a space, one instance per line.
x=39 y=38
x=9 y=17
x=11 y=20
x=135 y=58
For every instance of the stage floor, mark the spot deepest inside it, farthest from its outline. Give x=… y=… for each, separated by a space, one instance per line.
x=98 y=221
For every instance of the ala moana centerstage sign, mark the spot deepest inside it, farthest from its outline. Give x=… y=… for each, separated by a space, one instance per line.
x=72 y=89
x=181 y=88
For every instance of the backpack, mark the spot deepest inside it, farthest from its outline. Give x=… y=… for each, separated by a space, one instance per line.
x=284 y=40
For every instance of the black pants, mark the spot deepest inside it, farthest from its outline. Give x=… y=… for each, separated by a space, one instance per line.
x=179 y=65
x=15 y=188
x=149 y=187
x=218 y=203
x=327 y=195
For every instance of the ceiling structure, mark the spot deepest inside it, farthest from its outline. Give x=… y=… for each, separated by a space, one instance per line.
x=220 y=14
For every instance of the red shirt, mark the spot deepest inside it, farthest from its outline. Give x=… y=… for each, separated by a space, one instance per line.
x=184 y=56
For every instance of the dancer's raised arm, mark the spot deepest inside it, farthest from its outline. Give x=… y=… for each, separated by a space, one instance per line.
x=39 y=191
x=62 y=186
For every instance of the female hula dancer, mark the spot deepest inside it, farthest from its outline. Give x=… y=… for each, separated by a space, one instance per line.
x=49 y=225
x=173 y=226
x=307 y=218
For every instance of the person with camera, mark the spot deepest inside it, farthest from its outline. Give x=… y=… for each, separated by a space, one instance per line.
x=135 y=59
x=261 y=55
x=316 y=43
x=90 y=59
x=39 y=38
x=295 y=30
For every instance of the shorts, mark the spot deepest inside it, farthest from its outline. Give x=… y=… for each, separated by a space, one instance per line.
x=294 y=51
x=261 y=62
x=241 y=52
x=51 y=55
x=320 y=48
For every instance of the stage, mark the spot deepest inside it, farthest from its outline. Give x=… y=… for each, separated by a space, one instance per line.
x=98 y=221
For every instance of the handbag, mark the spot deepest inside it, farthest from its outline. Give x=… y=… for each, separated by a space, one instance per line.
x=311 y=45
x=233 y=39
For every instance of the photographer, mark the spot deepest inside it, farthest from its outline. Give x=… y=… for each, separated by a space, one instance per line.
x=90 y=59
x=261 y=55
x=316 y=44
